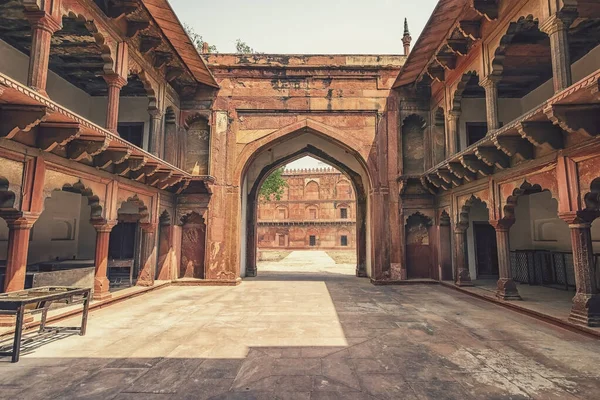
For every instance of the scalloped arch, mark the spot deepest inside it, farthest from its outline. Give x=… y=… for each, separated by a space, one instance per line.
x=525 y=188
x=514 y=28
x=460 y=89
x=7 y=197
x=143 y=213
x=93 y=200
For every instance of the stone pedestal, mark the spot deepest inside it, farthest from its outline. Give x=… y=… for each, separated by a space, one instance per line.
x=148 y=256
x=490 y=84
x=101 y=283
x=557 y=28
x=463 y=277
x=586 y=303
x=507 y=289
x=115 y=83
x=43 y=27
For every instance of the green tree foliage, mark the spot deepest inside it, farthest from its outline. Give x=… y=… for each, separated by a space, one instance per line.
x=273 y=186
x=243 y=48
x=197 y=40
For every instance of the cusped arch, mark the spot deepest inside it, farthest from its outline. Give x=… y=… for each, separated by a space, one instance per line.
x=523 y=24
x=150 y=86
x=7 y=196
x=107 y=46
x=592 y=198
x=523 y=189
x=463 y=216
x=463 y=83
x=419 y=218
x=93 y=200
x=143 y=213
x=192 y=217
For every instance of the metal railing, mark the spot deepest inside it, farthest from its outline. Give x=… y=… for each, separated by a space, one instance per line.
x=543 y=267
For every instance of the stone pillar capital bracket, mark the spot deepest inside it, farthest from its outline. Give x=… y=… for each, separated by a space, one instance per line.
x=115 y=80
x=104 y=225
x=503 y=224
x=20 y=220
x=43 y=20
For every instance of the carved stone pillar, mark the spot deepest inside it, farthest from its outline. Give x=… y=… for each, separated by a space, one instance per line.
x=507 y=289
x=463 y=277
x=490 y=84
x=101 y=283
x=115 y=83
x=43 y=27
x=155 y=143
x=19 y=230
x=557 y=28
x=452 y=140
x=148 y=256
x=586 y=303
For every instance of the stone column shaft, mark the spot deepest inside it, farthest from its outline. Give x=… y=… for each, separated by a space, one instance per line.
x=155 y=145
x=148 y=259
x=507 y=289
x=19 y=230
x=115 y=83
x=490 y=84
x=463 y=277
x=586 y=303
x=558 y=29
x=101 y=283
x=42 y=29
x=453 y=140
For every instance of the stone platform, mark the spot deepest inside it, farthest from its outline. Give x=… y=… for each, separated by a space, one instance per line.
x=300 y=335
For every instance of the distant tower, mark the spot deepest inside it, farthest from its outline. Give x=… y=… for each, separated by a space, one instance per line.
x=205 y=48
x=406 y=39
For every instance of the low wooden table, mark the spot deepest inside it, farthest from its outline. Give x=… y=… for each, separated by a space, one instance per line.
x=39 y=300
x=125 y=264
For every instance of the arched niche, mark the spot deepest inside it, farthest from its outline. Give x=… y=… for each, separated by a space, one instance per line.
x=419 y=261
x=311 y=191
x=193 y=247
x=343 y=190
x=413 y=146
x=468 y=104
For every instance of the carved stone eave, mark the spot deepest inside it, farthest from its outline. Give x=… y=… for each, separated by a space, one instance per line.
x=80 y=149
x=514 y=146
x=576 y=118
x=473 y=164
x=493 y=157
x=110 y=157
x=436 y=181
x=50 y=135
x=449 y=177
x=470 y=29
x=542 y=134
x=17 y=118
x=486 y=8
x=460 y=171
x=427 y=185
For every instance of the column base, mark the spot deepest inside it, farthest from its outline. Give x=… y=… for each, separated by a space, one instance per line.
x=101 y=295
x=507 y=290
x=586 y=310
x=251 y=273
x=10 y=320
x=463 y=279
x=145 y=283
x=101 y=288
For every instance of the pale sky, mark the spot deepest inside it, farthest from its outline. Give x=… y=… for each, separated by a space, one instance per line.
x=307 y=162
x=306 y=26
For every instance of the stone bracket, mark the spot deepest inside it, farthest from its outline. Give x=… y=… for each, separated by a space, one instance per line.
x=80 y=149
x=573 y=118
x=470 y=29
x=17 y=118
x=436 y=72
x=53 y=134
x=159 y=177
x=161 y=58
x=448 y=61
x=134 y=27
x=172 y=181
x=473 y=164
x=486 y=8
x=449 y=177
x=109 y=157
x=458 y=46
x=173 y=73
x=492 y=157
x=542 y=134
x=148 y=43
x=427 y=185
x=460 y=171
x=438 y=182
x=514 y=146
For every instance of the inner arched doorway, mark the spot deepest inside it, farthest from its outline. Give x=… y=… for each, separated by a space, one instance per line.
x=280 y=152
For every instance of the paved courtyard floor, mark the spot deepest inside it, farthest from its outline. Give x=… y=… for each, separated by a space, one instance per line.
x=298 y=335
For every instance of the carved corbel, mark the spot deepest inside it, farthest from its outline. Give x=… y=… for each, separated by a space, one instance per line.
x=427 y=185
x=80 y=149
x=449 y=177
x=161 y=58
x=470 y=29
x=109 y=157
x=53 y=134
x=172 y=181
x=474 y=164
x=438 y=182
x=182 y=186
x=446 y=60
x=133 y=163
x=436 y=72
x=486 y=8
x=460 y=171
x=121 y=7
x=492 y=157
x=458 y=46
x=542 y=134
x=576 y=118
x=514 y=146
x=148 y=169
x=148 y=43
x=159 y=177
x=17 y=118
x=134 y=27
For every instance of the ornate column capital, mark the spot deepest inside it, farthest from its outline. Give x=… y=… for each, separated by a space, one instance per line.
x=115 y=80
x=105 y=226
x=148 y=227
x=557 y=22
x=490 y=81
x=42 y=20
x=155 y=113
x=453 y=115
x=20 y=220
x=579 y=219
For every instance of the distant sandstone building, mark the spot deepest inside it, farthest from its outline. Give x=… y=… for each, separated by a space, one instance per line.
x=316 y=211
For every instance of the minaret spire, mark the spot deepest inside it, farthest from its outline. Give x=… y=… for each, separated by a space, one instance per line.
x=406 y=39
